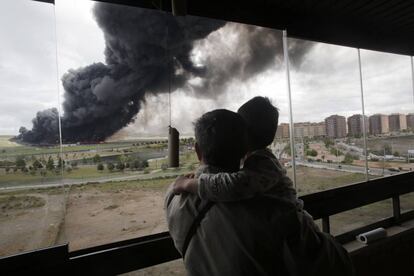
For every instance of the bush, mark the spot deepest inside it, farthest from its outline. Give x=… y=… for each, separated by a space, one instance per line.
x=312 y=152
x=96 y=158
x=100 y=167
x=110 y=166
x=349 y=159
x=20 y=162
x=120 y=166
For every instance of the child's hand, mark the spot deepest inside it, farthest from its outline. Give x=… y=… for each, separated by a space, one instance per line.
x=184 y=184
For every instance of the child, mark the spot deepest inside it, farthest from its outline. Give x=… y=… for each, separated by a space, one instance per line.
x=261 y=174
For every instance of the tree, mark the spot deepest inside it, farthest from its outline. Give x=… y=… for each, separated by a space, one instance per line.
x=387 y=149
x=20 y=162
x=328 y=142
x=96 y=158
x=312 y=152
x=50 y=165
x=349 y=159
x=37 y=164
x=100 y=167
x=120 y=166
x=61 y=163
x=110 y=166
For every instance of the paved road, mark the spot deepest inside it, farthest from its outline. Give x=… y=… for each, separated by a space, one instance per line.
x=69 y=182
x=344 y=168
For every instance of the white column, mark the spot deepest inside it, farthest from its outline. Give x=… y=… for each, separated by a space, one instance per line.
x=412 y=75
x=291 y=127
x=363 y=115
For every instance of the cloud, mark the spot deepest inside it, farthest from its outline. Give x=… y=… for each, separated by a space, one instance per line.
x=326 y=82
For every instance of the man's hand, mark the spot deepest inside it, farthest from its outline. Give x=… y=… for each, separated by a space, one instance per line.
x=185 y=184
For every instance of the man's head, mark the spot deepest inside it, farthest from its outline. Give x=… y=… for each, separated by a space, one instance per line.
x=221 y=139
x=261 y=118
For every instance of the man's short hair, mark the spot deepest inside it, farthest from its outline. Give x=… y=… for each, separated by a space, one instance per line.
x=261 y=118
x=221 y=136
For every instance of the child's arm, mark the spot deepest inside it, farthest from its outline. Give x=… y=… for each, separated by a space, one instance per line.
x=228 y=186
x=185 y=184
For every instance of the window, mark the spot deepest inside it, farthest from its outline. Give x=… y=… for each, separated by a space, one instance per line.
x=30 y=216
x=325 y=94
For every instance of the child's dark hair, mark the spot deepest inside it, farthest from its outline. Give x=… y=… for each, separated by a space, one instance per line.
x=261 y=118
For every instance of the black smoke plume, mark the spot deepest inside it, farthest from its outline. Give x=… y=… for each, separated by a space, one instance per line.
x=150 y=52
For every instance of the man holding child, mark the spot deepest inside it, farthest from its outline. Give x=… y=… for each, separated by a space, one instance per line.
x=232 y=221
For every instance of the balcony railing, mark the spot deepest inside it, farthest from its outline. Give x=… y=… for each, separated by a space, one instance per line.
x=134 y=254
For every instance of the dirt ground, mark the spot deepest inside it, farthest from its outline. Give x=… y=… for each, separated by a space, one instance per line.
x=29 y=221
x=94 y=217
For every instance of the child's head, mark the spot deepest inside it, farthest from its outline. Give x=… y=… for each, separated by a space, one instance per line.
x=261 y=118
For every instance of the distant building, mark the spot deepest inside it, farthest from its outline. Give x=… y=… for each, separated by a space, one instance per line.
x=282 y=131
x=410 y=120
x=355 y=127
x=308 y=129
x=397 y=122
x=320 y=129
x=335 y=126
x=378 y=124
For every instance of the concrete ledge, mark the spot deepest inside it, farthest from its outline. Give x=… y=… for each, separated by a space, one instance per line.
x=393 y=255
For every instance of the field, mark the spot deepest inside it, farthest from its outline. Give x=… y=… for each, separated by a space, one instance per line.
x=97 y=207
x=5 y=143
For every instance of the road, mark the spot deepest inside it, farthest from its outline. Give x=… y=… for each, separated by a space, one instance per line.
x=69 y=182
x=344 y=168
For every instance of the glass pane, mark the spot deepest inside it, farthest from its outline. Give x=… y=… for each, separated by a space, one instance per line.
x=388 y=101
x=325 y=93
x=117 y=65
x=359 y=217
x=407 y=202
x=31 y=198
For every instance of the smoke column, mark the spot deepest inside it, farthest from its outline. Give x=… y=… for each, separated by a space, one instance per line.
x=146 y=52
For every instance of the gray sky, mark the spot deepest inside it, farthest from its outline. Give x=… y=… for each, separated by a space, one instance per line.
x=326 y=83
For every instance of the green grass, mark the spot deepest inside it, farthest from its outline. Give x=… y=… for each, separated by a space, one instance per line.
x=13 y=202
x=83 y=172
